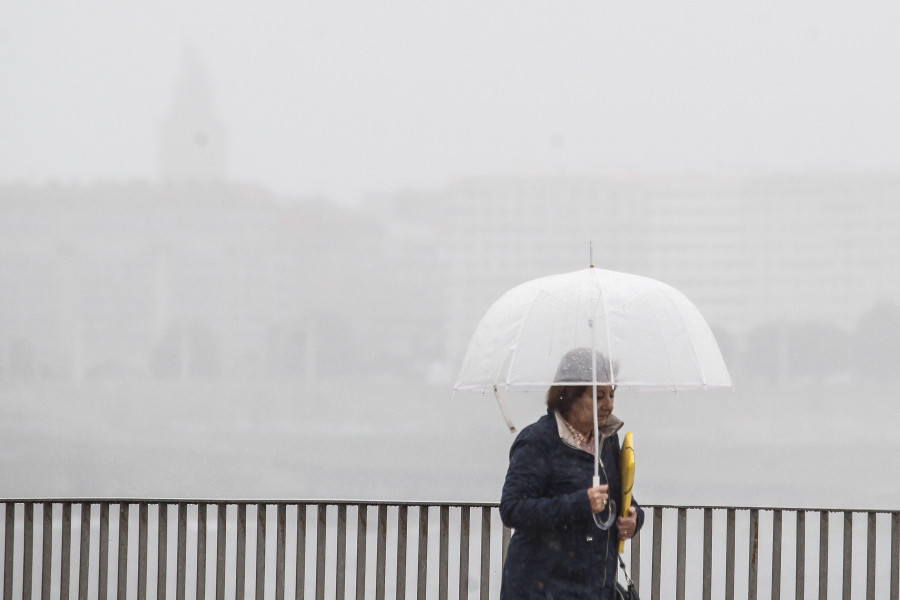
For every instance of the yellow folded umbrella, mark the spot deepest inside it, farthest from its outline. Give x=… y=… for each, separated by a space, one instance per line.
x=626 y=468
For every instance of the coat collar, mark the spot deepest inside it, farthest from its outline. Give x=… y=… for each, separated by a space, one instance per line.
x=613 y=425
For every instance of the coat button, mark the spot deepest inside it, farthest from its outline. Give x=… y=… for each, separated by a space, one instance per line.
x=589 y=538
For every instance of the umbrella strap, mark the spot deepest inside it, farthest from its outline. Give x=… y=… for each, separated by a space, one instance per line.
x=506 y=417
x=624 y=570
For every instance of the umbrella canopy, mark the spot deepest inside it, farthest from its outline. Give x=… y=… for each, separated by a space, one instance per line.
x=652 y=336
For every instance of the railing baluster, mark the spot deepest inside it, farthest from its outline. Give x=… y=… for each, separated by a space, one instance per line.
x=65 y=559
x=28 y=550
x=341 y=566
x=122 y=575
x=221 y=525
x=800 y=571
x=402 y=516
x=848 y=554
x=729 y=554
x=181 y=556
x=46 y=550
x=362 y=522
x=776 y=555
x=504 y=546
x=636 y=561
x=895 y=556
x=656 y=567
x=300 y=577
x=8 y=545
x=280 y=541
x=261 y=519
x=83 y=552
x=681 y=554
x=422 y=572
x=320 y=551
x=465 y=515
x=202 y=514
x=381 y=553
x=444 y=558
x=870 y=556
x=485 y=552
x=240 y=582
x=753 y=574
x=707 y=553
x=103 y=570
x=823 y=555
x=143 y=516
x=162 y=549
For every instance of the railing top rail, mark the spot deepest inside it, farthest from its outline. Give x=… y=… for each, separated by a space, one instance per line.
x=410 y=503
x=247 y=501
x=777 y=508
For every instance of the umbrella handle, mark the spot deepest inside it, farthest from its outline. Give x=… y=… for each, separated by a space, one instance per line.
x=610 y=521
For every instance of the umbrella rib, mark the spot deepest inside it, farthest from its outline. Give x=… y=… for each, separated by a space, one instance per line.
x=609 y=367
x=697 y=361
x=515 y=348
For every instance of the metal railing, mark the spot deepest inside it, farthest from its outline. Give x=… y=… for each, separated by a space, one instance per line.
x=85 y=548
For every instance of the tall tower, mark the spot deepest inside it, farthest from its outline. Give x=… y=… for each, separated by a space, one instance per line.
x=192 y=137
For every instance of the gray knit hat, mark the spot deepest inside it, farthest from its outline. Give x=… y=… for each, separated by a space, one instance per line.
x=575 y=367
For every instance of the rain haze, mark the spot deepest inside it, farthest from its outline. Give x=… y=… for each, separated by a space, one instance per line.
x=243 y=246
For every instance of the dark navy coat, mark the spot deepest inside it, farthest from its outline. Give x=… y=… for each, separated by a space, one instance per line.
x=557 y=552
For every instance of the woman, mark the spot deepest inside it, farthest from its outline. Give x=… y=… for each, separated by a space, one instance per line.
x=559 y=549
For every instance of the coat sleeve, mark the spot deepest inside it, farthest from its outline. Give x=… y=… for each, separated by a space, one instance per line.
x=640 y=514
x=523 y=503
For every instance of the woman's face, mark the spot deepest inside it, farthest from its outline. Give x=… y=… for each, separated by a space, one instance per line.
x=581 y=415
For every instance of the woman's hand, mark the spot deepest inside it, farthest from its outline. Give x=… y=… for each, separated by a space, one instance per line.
x=627 y=526
x=599 y=496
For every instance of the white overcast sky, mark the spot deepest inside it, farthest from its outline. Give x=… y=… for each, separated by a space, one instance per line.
x=346 y=97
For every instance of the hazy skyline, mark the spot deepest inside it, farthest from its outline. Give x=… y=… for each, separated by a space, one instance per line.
x=343 y=99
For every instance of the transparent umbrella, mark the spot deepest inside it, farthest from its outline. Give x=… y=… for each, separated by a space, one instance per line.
x=652 y=336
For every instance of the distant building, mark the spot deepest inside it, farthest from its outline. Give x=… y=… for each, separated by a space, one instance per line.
x=181 y=280
x=820 y=248
x=191 y=136
x=746 y=250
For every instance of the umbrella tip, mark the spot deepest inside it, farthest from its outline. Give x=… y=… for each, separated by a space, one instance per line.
x=591 y=246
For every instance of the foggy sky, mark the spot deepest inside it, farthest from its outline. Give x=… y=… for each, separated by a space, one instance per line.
x=349 y=97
